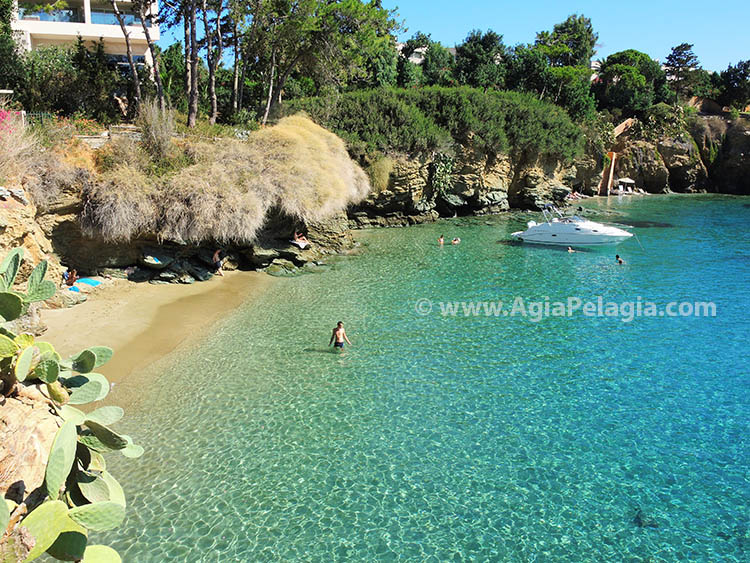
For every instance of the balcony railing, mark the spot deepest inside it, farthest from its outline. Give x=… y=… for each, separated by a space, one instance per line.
x=108 y=18
x=74 y=15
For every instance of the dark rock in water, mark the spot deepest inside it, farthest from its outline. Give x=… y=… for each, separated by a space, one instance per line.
x=281 y=268
x=139 y=275
x=644 y=521
x=262 y=255
x=649 y=224
x=156 y=259
x=559 y=193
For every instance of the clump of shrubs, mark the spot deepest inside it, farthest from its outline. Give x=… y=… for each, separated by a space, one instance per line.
x=229 y=188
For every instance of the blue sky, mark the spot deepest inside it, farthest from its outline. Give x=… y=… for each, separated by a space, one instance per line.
x=718 y=30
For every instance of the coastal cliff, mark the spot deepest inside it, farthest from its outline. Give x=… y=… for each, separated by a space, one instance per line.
x=60 y=211
x=708 y=154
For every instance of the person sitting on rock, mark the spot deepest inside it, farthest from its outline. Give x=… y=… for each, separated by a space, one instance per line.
x=70 y=277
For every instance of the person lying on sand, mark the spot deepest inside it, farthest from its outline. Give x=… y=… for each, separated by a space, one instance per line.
x=339 y=335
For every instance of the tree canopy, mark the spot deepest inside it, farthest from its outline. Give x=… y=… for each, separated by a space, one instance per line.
x=480 y=60
x=630 y=81
x=570 y=43
x=681 y=65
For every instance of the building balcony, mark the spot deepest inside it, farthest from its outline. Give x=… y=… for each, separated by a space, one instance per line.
x=91 y=19
x=74 y=15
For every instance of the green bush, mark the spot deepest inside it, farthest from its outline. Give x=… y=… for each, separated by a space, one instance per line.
x=430 y=119
x=71 y=80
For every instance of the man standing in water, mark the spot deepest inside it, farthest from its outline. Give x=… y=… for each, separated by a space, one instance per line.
x=339 y=335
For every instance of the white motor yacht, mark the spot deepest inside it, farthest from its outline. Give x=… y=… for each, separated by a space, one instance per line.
x=570 y=231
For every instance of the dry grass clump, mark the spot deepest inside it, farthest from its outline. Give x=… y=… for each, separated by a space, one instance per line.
x=380 y=173
x=157 y=129
x=25 y=161
x=48 y=175
x=78 y=154
x=214 y=201
x=17 y=147
x=124 y=204
x=118 y=152
x=307 y=169
x=295 y=166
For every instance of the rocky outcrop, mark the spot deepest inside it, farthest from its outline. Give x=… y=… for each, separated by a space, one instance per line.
x=681 y=156
x=421 y=189
x=27 y=428
x=712 y=154
x=730 y=171
x=18 y=227
x=641 y=161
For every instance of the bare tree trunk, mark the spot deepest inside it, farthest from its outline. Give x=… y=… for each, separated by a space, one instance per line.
x=217 y=62
x=282 y=80
x=186 y=25
x=236 y=73
x=270 y=86
x=559 y=91
x=144 y=14
x=128 y=52
x=210 y=59
x=241 y=92
x=193 y=93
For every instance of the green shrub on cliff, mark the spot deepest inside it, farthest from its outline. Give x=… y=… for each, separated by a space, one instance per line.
x=429 y=119
x=78 y=494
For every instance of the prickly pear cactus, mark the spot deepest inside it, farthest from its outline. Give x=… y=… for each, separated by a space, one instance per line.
x=80 y=494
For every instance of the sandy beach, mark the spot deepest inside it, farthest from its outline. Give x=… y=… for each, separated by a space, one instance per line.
x=144 y=322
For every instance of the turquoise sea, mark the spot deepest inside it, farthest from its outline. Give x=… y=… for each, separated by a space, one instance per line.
x=462 y=438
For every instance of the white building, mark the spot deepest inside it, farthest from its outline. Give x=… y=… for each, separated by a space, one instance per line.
x=92 y=20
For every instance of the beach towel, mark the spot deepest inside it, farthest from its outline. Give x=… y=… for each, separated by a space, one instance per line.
x=300 y=244
x=89 y=281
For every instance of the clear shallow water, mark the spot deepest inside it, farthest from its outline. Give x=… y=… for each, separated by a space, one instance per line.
x=453 y=439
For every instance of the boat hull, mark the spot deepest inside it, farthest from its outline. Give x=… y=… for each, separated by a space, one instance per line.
x=558 y=234
x=573 y=241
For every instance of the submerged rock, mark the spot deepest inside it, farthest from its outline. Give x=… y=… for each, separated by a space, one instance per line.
x=642 y=520
x=281 y=268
